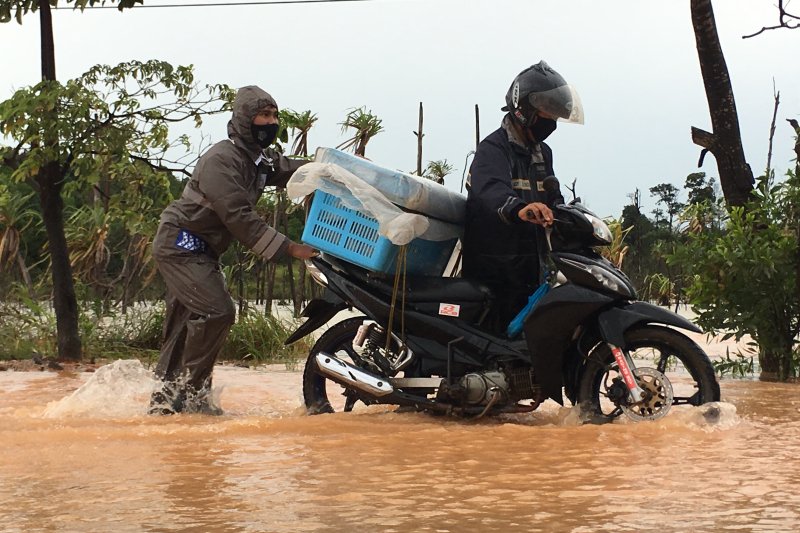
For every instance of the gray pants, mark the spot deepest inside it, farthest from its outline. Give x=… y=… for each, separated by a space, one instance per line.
x=199 y=316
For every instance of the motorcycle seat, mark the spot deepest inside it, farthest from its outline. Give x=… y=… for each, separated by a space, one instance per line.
x=431 y=289
x=420 y=289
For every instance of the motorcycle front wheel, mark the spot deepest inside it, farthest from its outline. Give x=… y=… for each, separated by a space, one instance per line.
x=320 y=394
x=671 y=353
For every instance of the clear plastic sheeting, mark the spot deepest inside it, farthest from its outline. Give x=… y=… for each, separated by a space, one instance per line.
x=358 y=193
x=410 y=192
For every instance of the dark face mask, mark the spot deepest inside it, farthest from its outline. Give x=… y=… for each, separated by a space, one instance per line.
x=542 y=128
x=264 y=135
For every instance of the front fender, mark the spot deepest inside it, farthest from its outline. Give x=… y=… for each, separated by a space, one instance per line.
x=615 y=321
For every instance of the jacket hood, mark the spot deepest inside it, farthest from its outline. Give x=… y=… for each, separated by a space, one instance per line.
x=249 y=101
x=513 y=136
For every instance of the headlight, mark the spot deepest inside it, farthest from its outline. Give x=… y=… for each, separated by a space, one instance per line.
x=601 y=231
x=316 y=274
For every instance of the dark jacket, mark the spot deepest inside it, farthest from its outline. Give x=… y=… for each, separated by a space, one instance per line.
x=218 y=202
x=499 y=249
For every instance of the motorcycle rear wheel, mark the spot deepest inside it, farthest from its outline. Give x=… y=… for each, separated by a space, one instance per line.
x=318 y=390
x=666 y=350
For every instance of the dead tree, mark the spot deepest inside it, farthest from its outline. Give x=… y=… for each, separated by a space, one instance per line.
x=419 y=136
x=735 y=175
x=785 y=20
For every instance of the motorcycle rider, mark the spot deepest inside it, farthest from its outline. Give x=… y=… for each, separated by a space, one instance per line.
x=507 y=205
x=216 y=206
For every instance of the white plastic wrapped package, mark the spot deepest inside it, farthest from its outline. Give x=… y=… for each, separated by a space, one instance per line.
x=411 y=192
x=356 y=193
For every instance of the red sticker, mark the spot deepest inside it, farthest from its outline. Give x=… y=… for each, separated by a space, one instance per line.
x=449 y=309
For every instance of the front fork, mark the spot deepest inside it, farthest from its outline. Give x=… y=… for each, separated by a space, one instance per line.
x=626 y=368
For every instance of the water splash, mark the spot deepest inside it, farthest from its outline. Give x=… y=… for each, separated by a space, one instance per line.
x=120 y=389
x=710 y=416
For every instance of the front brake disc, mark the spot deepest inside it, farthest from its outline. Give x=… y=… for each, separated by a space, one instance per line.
x=657 y=399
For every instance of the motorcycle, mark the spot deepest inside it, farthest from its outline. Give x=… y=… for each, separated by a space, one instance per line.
x=419 y=344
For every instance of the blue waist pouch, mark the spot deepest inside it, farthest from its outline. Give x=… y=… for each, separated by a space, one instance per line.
x=189 y=241
x=515 y=326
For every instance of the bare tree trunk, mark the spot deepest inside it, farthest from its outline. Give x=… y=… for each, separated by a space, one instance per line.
x=240 y=278
x=48 y=45
x=477 y=127
x=296 y=300
x=419 y=135
x=296 y=304
x=772 y=126
x=50 y=181
x=735 y=175
x=26 y=276
x=130 y=268
x=257 y=275
x=796 y=126
x=301 y=283
x=64 y=301
x=361 y=145
x=269 y=293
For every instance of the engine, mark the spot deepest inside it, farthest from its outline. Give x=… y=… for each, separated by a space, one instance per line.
x=511 y=384
x=479 y=389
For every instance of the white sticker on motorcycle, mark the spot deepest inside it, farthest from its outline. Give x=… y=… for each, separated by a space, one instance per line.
x=449 y=309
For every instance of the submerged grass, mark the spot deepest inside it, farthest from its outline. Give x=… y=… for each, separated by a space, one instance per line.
x=742 y=365
x=28 y=331
x=257 y=338
x=135 y=334
x=25 y=333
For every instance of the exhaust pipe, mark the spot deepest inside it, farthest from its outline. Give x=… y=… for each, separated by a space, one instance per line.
x=347 y=374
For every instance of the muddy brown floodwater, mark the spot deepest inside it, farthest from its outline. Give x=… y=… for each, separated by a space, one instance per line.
x=79 y=454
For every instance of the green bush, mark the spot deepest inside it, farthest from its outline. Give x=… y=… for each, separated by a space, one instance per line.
x=745 y=279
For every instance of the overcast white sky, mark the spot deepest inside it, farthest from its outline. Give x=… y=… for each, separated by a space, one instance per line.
x=633 y=62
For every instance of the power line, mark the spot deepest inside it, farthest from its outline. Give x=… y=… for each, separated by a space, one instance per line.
x=223 y=4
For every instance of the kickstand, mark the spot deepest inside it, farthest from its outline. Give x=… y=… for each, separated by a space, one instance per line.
x=350 y=401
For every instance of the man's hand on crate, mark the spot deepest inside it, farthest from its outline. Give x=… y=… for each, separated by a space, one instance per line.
x=302 y=251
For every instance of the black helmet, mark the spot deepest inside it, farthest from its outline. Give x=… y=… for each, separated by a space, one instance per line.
x=540 y=88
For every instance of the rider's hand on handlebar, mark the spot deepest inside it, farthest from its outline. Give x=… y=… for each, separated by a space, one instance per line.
x=301 y=251
x=538 y=213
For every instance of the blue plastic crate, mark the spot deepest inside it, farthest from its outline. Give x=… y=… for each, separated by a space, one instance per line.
x=353 y=236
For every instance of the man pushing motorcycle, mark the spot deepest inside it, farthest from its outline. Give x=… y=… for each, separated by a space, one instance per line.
x=216 y=206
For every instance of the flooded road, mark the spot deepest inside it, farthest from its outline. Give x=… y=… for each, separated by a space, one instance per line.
x=79 y=454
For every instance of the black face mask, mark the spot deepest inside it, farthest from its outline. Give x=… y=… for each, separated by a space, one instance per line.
x=264 y=135
x=542 y=128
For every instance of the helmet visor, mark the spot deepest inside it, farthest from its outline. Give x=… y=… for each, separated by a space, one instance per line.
x=562 y=103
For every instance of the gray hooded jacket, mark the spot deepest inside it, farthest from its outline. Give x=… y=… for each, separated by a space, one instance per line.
x=218 y=202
